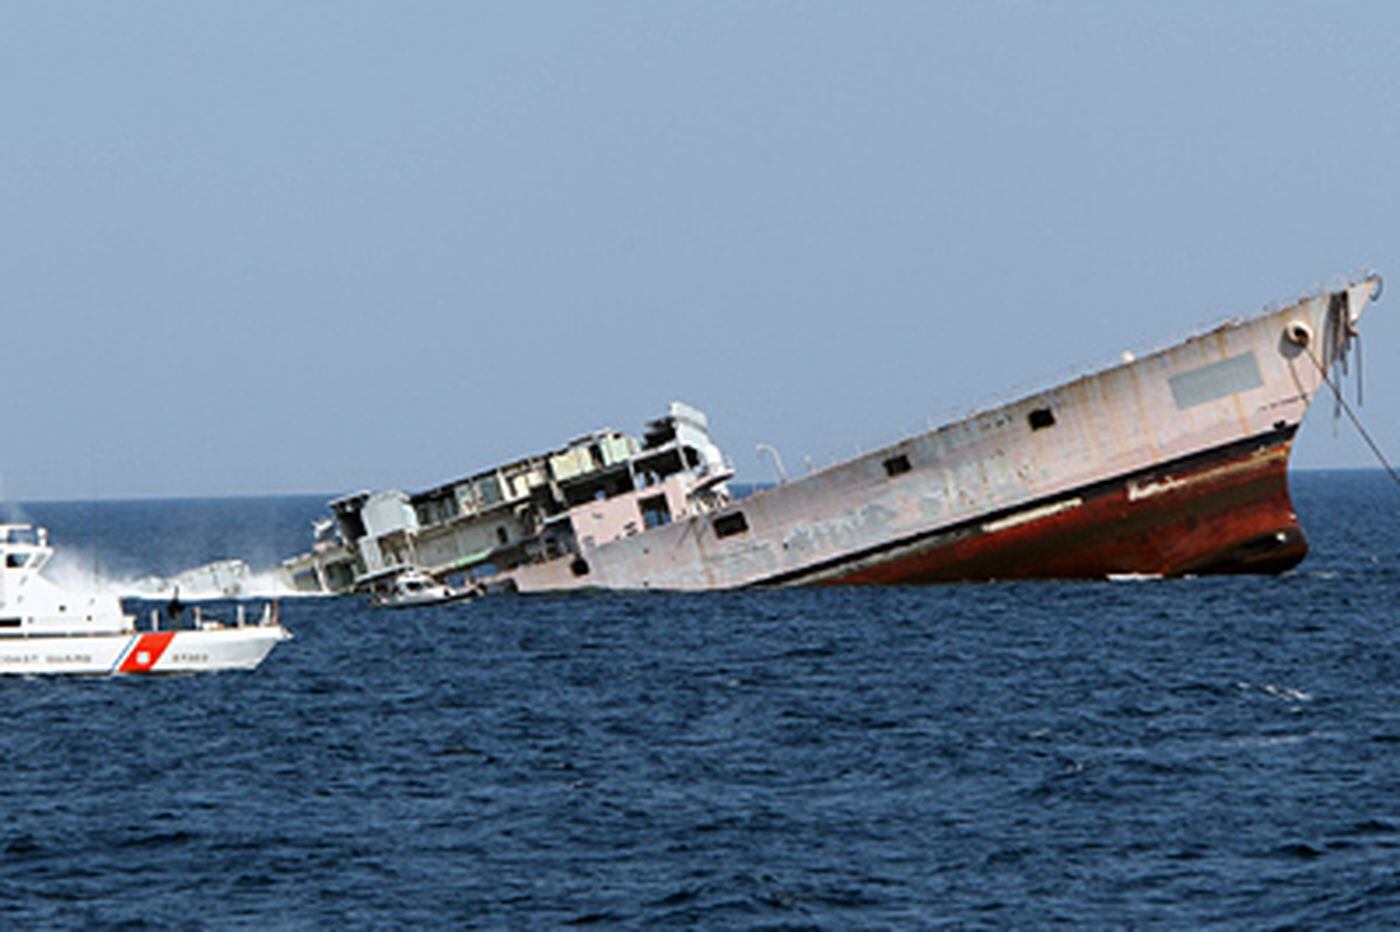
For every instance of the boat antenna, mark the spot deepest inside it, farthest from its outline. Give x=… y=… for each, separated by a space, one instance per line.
x=96 y=517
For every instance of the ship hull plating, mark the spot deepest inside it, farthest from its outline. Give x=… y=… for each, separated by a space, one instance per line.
x=1169 y=464
x=1227 y=511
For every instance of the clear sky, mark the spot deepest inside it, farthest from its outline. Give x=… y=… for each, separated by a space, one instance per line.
x=261 y=247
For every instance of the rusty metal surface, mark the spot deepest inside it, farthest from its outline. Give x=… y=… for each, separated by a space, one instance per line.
x=1241 y=381
x=1228 y=514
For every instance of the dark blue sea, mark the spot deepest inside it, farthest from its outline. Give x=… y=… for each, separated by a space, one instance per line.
x=1187 y=753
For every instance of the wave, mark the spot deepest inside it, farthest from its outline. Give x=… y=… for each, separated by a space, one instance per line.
x=222 y=579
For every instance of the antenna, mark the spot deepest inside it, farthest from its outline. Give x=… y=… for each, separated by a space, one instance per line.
x=95 y=519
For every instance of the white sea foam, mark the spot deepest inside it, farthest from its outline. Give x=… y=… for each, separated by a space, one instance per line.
x=224 y=579
x=1270 y=741
x=1278 y=692
x=1295 y=695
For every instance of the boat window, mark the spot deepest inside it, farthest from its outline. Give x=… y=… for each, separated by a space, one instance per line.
x=1041 y=418
x=16 y=560
x=896 y=465
x=488 y=490
x=502 y=535
x=655 y=511
x=579 y=567
x=731 y=524
x=437 y=510
x=352 y=525
x=9 y=622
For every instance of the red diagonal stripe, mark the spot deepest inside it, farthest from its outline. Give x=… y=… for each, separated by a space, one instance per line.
x=147 y=651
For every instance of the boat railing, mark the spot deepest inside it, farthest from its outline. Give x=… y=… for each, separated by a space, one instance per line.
x=271 y=617
x=1088 y=367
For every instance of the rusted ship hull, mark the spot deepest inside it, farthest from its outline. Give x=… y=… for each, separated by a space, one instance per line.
x=1167 y=465
x=1224 y=512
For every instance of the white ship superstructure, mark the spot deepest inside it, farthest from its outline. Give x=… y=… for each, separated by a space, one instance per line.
x=558 y=505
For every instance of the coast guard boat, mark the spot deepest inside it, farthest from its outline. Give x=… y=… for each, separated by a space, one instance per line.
x=46 y=629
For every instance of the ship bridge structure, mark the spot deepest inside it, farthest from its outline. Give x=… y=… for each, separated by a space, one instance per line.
x=564 y=502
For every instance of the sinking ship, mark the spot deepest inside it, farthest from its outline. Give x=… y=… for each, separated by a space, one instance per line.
x=1169 y=464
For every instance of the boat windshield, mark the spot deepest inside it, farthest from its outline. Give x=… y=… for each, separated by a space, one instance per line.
x=21 y=535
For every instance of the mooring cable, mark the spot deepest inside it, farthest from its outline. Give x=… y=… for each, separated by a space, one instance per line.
x=1355 y=420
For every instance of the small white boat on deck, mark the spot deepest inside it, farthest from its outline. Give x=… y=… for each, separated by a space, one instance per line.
x=413 y=588
x=46 y=629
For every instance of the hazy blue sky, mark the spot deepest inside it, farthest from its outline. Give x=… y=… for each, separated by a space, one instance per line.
x=263 y=247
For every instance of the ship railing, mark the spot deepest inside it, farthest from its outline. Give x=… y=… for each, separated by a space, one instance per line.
x=271 y=617
x=985 y=404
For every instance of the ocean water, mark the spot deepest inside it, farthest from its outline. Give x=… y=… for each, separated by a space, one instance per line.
x=1186 y=753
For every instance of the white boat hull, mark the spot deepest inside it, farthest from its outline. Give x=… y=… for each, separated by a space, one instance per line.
x=141 y=652
x=423 y=601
